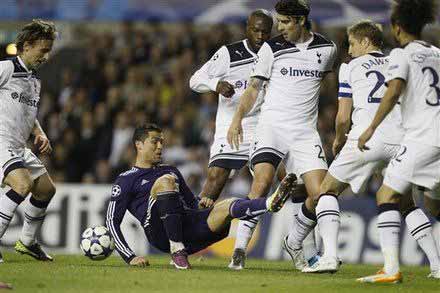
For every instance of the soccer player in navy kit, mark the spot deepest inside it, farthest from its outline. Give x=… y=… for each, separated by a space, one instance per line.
x=159 y=198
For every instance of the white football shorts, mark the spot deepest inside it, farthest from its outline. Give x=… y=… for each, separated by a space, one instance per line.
x=354 y=167
x=15 y=158
x=415 y=163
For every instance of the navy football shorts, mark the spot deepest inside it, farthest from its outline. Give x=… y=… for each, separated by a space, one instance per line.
x=196 y=233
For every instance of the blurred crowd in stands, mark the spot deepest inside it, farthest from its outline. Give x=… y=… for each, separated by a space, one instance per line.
x=98 y=90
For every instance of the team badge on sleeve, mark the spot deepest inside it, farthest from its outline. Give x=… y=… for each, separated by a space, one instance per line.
x=116 y=190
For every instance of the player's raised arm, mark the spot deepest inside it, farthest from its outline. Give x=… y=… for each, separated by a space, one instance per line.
x=345 y=104
x=117 y=207
x=209 y=76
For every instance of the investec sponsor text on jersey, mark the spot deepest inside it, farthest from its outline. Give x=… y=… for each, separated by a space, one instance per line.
x=24 y=99
x=301 y=72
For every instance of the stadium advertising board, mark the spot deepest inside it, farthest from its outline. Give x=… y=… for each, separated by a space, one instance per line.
x=77 y=207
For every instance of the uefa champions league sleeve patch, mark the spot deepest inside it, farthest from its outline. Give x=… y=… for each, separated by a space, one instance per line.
x=116 y=191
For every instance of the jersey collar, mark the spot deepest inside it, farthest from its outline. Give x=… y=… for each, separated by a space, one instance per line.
x=376 y=54
x=245 y=43
x=20 y=61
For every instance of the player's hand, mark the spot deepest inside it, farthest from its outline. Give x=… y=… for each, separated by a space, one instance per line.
x=205 y=203
x=337 y=146
x=364 y=138
x=225 y=89
x=235 y=134
x=139 y=261
x=43 y=144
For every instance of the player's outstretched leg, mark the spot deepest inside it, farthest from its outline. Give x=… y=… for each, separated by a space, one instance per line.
x=235 y=208
x=244 y=209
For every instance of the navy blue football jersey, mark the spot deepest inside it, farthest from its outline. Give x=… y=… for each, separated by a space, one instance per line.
x=131 y=192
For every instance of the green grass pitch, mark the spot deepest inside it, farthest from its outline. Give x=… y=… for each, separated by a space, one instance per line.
x=79 y=274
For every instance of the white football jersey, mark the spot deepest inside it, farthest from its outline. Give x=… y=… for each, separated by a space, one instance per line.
x=294 y=73
x=418 y=64
x=363 y=80
x=20 y=99
x=232 y=63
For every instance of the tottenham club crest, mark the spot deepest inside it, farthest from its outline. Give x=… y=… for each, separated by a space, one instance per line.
x=319 y=57
x=116 y=190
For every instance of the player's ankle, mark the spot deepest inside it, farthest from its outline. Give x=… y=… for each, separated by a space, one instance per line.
x=176 y=246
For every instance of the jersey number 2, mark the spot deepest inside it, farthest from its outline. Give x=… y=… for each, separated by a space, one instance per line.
x=380 y=82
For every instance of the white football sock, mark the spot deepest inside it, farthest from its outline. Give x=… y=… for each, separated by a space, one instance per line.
x=389 y=231
x=34 y=213
x=244 y=233
x=327 y=213
x=421 y=229
x=302 y=226
x=309 y=243
x=176 y=246
x=8 y=205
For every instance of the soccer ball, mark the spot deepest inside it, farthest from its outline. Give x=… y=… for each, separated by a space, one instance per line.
x=97 y=243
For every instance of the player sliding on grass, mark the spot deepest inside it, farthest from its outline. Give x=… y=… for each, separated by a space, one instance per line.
x=22 y=172
x=159 y=198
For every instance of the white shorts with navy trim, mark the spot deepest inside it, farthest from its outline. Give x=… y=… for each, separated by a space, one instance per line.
x=15 y=158
x=302 y=153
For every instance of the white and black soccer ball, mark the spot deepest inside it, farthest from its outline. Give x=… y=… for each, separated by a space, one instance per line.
x=97 y=243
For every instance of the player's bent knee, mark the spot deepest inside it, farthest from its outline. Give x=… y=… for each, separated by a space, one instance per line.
x=23 y=188
x=46 y=194
x=163 y=184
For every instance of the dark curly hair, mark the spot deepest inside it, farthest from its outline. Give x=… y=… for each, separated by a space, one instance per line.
x=413 y=15
x=34 y=31
x=294 y=8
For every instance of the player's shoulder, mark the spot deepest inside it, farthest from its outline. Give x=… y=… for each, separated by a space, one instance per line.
x=278 y=43
x=238 y=51
x=7 y=65
x=168 y=169
x=129 y=173
x=319 y=41
x=396 y=52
